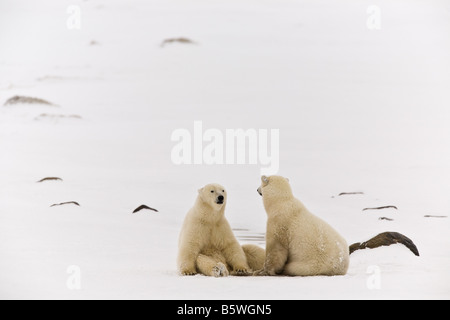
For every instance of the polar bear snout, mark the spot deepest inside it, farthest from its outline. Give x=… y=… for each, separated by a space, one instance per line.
x=220 y=199
x=259 y=191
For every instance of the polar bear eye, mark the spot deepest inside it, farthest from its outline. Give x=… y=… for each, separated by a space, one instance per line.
x=223 y=190
x=212 y=191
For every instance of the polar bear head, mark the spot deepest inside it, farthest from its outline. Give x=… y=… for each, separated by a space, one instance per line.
x=213 y=195
x=275 y=188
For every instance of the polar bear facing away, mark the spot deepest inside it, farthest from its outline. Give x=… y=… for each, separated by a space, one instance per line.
x=298 y=243
x=207 y=244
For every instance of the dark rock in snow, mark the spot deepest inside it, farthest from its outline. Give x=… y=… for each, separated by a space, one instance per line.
x=144 y=207
x=177 y=40
x=26 y=100
x=386 y=239
x=65 y=203
x=381 y=208
x=50 y=179
x=350 y=193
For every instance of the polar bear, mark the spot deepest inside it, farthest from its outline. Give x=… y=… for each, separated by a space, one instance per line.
x=297 y=242
x=207 y=244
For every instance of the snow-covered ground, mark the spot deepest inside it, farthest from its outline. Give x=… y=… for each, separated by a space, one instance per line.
x=357 y=109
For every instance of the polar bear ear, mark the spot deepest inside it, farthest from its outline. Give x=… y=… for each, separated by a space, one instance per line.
x=287 y=179
x=200 y=190
x=265 y=180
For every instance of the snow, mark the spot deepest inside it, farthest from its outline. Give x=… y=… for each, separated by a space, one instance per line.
x=358 y=110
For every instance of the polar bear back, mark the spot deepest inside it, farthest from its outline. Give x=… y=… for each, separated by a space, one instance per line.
x=313 y=247
x=314 y=242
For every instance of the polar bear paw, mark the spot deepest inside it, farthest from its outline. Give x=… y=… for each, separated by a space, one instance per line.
x=188 y=273
x=242 y=273
x=263 y=273
x=220 y=270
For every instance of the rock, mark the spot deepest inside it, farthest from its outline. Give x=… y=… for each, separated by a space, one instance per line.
x=26 y=100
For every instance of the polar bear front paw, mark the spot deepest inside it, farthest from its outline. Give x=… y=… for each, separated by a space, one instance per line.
x=242 y=272
x=220 y=270
x=188 y=273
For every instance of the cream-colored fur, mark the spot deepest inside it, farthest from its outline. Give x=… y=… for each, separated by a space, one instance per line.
x=298 y=243
x=207 y=244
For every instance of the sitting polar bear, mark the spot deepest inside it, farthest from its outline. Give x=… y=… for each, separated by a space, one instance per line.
x=298 y=243
x=207 y=244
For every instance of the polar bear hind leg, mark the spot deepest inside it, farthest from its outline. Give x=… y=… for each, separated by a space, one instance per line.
x=305 y=269
x=301 y=269
x=255 y=255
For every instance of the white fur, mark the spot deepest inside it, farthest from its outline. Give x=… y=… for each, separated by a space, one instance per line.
x=298 y=243
x=207 y=244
